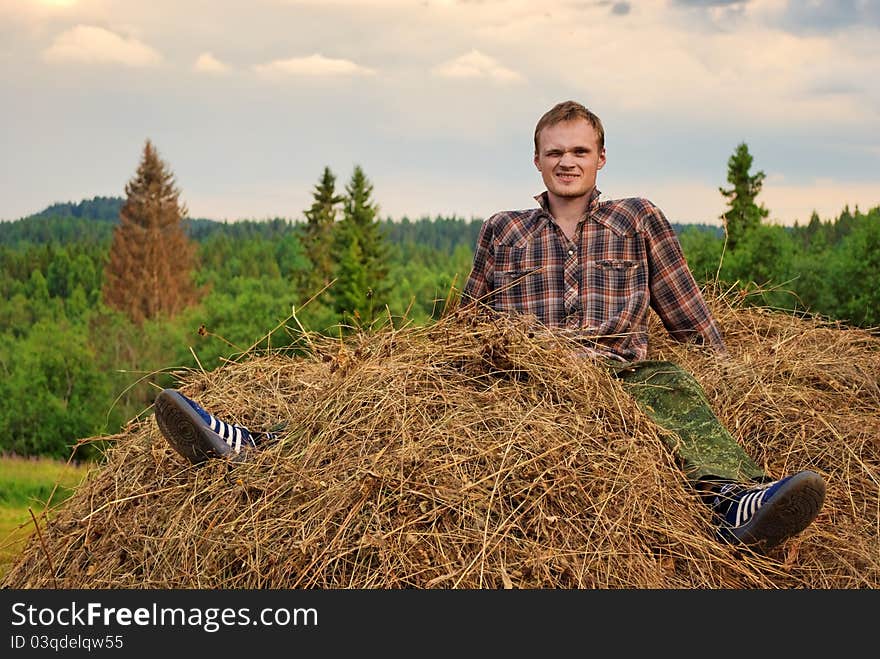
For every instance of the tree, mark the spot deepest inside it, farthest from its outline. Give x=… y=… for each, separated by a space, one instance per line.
x=763 y=260
x=149 y=272
x=318 y=234
x=362 y=272
x=703 y=250
x=52 y=393
x=855 y=271
x=815 y=235
x=351 y=294
x=743 y=213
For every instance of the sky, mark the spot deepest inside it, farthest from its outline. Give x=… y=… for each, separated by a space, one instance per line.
x=437 y=100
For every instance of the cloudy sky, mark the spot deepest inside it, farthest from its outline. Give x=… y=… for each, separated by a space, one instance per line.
x=248 y=100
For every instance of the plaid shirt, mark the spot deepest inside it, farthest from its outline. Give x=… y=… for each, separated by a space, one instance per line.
x=625 y=257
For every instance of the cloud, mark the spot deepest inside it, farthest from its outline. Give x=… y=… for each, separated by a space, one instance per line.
x=313 y=66
x=825 y=16
x=87 y=43
x=710 y=3
x=476 y=65
x=207 y=63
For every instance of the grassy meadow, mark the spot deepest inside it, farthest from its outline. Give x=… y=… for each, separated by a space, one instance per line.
x=28 y=485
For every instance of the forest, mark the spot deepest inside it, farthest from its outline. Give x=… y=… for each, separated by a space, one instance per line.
x=106 y=299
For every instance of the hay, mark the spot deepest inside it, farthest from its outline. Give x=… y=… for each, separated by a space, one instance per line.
x=475 y=453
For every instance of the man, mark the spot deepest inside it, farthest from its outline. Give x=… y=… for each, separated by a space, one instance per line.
x=592 y=269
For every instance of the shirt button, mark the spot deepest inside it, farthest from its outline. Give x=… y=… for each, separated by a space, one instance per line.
x=570 y=252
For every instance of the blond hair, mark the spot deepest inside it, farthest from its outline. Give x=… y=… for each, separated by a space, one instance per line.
x=568 y=111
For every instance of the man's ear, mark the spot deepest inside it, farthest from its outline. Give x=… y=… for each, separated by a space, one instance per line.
x=535 y=160
x=602 y=159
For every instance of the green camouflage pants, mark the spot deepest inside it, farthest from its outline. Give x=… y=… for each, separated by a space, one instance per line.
x=676 y=402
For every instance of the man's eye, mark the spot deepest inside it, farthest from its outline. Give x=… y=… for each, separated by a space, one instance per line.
x=554 y=154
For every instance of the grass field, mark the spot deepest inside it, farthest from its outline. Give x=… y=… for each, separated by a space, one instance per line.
x=26 y=485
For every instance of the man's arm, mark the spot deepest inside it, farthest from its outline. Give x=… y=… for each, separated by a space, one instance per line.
x=675 y=295
x=481 y=280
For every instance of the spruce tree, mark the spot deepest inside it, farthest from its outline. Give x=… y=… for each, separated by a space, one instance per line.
x=350 y=292
x=317 y=237
x=815 y=234
x=743 y=213
x=362 y=288
x=149 y=272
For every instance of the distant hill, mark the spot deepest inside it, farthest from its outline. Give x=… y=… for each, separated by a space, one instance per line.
x=88 y=221
x=96 y=208
x=92 y=220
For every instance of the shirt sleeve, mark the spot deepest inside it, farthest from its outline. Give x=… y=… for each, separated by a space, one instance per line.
x=675 y=295
x=481 y=279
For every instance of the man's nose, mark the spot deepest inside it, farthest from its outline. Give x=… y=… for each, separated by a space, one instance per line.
x=567 y=159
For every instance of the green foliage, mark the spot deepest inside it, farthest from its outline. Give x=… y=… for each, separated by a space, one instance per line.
x=47 y=281
x=362 y=286
x=763 y=260
x=90 y=221
x=238 y=315
x=812 y=282
x=352 y=294
x=317 y=237
x=226 y=259
x=743 y=213
x=70 y=368
x=52 y=393
x=856 y=272
x=138 y=360
x=703 y=251
x=439 y=235
x=240 y=230
x=816 y=236
x=424 y=279
x=291 y=257
x=102 y=209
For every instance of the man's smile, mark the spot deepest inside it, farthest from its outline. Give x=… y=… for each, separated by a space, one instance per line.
x=567 y=176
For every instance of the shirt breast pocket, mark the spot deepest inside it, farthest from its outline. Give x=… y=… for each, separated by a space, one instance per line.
x=513 y=272
x=615 y=285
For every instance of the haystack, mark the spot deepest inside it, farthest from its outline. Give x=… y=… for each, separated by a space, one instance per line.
x=476 y=453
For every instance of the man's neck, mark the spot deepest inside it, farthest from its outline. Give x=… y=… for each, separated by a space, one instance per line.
x=568 y=210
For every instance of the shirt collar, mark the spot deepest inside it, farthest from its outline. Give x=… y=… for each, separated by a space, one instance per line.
x=543 y=200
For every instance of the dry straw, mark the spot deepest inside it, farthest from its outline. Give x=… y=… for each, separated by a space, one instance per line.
x=477 y=453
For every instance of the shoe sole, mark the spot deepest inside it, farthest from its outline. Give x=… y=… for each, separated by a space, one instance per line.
x=792 y=509
x=186 y=431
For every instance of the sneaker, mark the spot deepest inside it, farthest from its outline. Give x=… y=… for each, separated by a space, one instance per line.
x=770 y=513
x=197 y=435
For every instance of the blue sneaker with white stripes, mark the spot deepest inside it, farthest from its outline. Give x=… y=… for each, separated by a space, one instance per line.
x=198 y=435
x=771 y=513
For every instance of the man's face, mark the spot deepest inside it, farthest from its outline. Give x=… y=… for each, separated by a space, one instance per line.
x=569 y=158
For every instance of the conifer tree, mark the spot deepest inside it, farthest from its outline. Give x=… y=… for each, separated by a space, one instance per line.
x=318 y=233
x=365 y=284
x=743 y=213
x=350 y=289
x=815 y=234
x=149 y=272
